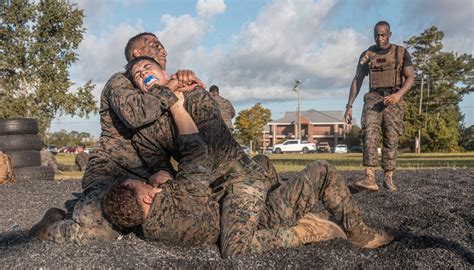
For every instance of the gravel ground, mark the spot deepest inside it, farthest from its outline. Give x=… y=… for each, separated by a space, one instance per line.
x=432 y=217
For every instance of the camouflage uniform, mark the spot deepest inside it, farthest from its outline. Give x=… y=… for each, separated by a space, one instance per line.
x=227 y=110
x=80 y=163
x=123 y=109
x=48 y=159
x=383 y=81
x=250 y=221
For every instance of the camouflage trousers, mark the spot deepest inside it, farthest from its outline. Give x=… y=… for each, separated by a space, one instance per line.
x=254 y=219
x=88 y=224
x=376 y=115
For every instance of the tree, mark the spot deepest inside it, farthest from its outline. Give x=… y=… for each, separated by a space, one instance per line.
x=449 y=76
x=37 y=46
x=63 y=138
x=250 y=124
x=467 y=139
x=354 y=136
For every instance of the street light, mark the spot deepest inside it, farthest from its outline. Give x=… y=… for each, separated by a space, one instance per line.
x=297 y=90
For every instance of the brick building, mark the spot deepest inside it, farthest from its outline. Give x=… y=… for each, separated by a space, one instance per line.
x=316 y=126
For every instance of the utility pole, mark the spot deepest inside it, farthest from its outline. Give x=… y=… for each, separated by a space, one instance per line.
x=297 y=90
x=418 y=139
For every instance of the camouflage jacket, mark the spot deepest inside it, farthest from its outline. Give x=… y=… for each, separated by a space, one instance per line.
x=124 y=109
x=227 y=110
x=183 y=213
x=81 y=161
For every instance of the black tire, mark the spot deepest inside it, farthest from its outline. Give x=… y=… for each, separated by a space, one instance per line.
x=305 y=150
x=34 y=173
x=19 y=142
x=24 y=158
x=278 y=151
x=18 y=126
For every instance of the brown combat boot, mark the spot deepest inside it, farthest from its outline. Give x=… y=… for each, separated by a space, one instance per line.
x=368 y=182
x=388 y=181
x=312 y=229
x=39 y=230
x=365 y=237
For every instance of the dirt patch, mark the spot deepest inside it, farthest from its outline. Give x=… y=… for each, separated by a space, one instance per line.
x=432 y=217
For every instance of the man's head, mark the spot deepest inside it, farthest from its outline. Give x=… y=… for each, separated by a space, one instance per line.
x=144 y=72
x=127 y=203
x=214 y=90
x=382 y=34
x=80 y=148
x=146 y=44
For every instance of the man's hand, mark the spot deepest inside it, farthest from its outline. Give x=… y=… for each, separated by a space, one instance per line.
x=160 y=178
x=348 y=116
x=187 y=77
x=391 y=99
x=172 y=84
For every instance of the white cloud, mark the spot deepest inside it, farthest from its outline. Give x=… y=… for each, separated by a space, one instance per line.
x=207 y=8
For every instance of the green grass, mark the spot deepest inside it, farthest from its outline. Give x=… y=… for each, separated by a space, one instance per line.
x=295 y=162
x=352 y=161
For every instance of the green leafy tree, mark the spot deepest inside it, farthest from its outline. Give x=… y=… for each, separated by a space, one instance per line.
x=63 y=138
x=250 y=124
x=37 y=45
x=467 y=139
x=449 y=76
x=354 y=136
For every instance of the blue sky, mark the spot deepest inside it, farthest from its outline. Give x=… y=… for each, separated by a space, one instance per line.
x=255 y=49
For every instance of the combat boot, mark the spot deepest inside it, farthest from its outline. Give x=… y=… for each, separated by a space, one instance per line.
x=312 y=229
x=365 y=237
x=368 y=182
x=388 y=181
x=40 y=230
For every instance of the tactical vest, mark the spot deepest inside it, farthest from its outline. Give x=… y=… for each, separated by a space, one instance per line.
x=385 y=71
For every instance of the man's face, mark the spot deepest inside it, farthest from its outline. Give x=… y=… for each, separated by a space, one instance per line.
x=152 y=47
x=213 y=93
x=382 y=36
x=146 y=73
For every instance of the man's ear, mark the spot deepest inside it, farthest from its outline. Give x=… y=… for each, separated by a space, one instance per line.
x=151 y=195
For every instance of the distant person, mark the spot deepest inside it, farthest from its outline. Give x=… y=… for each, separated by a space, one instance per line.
x=227 y=110
x=82 y=158
x=48 y=159
x=391 y=75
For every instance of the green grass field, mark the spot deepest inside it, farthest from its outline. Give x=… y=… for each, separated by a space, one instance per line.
x=296 y=162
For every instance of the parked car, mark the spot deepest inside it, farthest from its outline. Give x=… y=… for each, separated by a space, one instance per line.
x=52 y=149
x=67 y=149
x=294 y=146
x=323 y=147
x=355 y=149
x=340 y=149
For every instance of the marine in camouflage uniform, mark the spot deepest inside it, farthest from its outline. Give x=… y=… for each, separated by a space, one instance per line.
x=250 y=220
x=123 y=109
x=225 y=106
x=391 y=75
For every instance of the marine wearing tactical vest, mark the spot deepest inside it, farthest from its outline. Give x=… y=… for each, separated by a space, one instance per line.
x=391 y=76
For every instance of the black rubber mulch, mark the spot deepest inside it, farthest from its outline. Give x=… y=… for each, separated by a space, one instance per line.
x=432 y=217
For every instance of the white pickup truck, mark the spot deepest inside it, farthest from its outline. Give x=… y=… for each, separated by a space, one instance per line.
x=294 y=146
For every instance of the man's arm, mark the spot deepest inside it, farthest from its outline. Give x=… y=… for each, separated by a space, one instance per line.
x=133 y=107
x=353 y=92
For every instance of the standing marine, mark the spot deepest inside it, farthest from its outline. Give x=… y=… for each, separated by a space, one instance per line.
x=391 y=76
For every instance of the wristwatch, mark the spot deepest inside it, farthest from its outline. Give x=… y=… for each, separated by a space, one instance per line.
x=348 y=106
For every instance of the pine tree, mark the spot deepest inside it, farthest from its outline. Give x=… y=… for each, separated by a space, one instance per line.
x=449 y=76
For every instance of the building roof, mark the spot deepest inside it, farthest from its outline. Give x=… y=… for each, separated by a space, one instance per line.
x=314 y=116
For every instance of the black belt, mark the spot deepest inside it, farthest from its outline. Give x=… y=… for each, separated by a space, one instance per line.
x=384 y=92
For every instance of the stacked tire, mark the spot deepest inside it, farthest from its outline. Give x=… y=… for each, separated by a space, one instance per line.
x=19 y=139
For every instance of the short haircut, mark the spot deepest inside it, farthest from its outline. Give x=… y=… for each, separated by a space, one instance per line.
x=121 y=208
x=81 y=145
x=133 y=43
x=382 y=23
x=214 y=88
x=131 y=64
